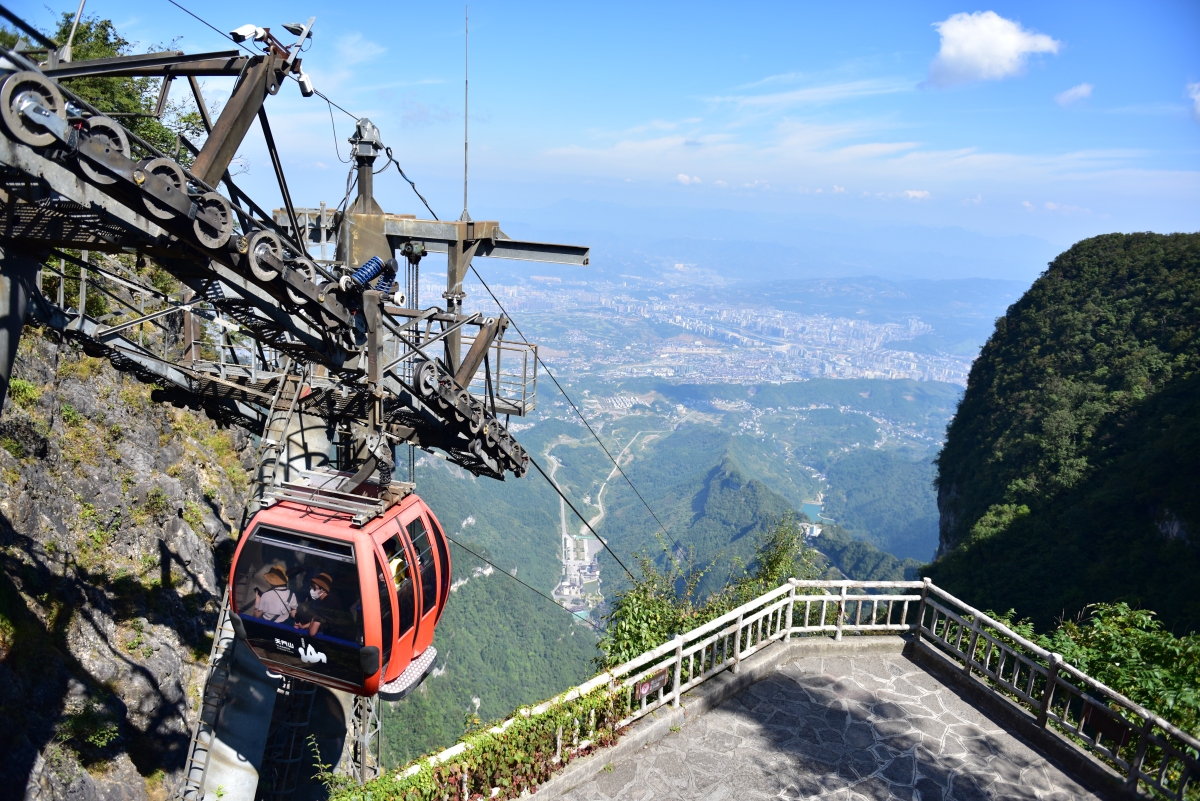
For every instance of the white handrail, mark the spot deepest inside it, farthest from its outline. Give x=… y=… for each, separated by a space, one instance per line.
x=770 y=617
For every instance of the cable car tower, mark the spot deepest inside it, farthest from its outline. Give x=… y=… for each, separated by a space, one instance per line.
x=331 y=362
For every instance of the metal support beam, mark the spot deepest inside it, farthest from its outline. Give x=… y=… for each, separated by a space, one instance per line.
x=458 y=261
x=199 y=96
x=260 y=78
x=479 y=349
x=278 y=165
x=18 y=278
x=228 y=63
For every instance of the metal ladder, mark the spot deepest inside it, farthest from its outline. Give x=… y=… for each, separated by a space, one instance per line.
x=213 y=699
x=271 y=443
x=283 y=761
x=365 y=740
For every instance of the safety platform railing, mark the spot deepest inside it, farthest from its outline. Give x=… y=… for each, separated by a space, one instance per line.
x=1153 y=757
x=512 y=365
x=1146 y=750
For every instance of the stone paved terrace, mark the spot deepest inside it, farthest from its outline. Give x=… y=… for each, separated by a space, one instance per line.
x=837 y=727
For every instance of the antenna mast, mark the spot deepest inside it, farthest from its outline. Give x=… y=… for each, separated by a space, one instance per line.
x=466 y=100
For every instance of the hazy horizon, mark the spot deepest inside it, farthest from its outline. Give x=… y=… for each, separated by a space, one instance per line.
x=924 y=140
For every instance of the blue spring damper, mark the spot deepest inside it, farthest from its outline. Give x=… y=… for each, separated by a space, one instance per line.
x=373 y=267
x=363 y=275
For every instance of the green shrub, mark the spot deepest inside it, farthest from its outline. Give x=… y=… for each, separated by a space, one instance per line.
x=92 y=727
x=516 y=760
x=665 y=602
x=14 y=447
x=156 y=504
x=194 y=517
x=1128 y=650
x=23 y=393
x=70 y=417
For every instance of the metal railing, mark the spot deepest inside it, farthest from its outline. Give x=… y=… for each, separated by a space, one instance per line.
x=207 y=341
x=1149 y=752
x=1145 y=749
x=512 y=365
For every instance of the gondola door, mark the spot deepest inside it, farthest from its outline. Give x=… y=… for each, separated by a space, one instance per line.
x=427 y=569
x=444 y=567
x=398 y=555
x=387 y=609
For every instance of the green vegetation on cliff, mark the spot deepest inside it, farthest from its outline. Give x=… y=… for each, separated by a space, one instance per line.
x=1069 y=473
x=1128 y=650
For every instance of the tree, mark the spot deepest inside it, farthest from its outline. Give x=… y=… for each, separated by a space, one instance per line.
x=665 y=602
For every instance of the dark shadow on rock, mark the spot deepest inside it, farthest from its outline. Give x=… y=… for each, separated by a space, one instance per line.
x=51 y=701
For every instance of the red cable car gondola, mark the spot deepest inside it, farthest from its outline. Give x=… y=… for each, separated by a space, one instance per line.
x=342 y=590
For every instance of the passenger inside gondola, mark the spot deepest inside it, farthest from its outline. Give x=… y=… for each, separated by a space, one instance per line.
x=321 y=607
x=278 y=603
x=307 y=584
x=393 y=549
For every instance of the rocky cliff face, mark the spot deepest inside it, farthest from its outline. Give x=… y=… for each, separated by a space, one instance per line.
x=117 y=514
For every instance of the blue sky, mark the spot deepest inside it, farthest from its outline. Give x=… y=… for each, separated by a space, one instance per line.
x=1055 y=121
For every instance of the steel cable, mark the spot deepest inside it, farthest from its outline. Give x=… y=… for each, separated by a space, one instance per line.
x=567 y=500
x=588 y=623
x=600 y=442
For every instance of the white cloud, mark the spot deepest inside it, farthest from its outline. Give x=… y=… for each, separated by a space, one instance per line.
x=1073 y=95
x=917 y=194
x=1064 y=208
x=814 y=95
x=984 y=46
x=720 y=183
x=1193 y=91
x=685 y=179
x=973 y=201
x=838 y=190
x=355 y=49
x=1028 y=206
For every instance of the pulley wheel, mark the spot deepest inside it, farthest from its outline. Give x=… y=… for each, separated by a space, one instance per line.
x=327 y=317
x=309 y=271
x=171 y=174
x=213 y=235
x=427 y=379
x=113 y=137
x=262 y=244
x=27 y=84
x=462 y=405
x=476 y=418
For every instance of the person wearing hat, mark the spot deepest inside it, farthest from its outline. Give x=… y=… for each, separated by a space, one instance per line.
x=320 y=605
x=278 y=603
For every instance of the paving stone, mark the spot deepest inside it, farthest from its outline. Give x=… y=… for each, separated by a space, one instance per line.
x=874 y=788
x=872 y=728
x=928 y=790
x=901 y=770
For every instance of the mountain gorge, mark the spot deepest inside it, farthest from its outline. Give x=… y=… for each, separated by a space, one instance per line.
x=1069 y=472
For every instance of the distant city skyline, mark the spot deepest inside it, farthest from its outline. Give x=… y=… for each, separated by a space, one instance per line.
x=1053 y=121
x=601 y=331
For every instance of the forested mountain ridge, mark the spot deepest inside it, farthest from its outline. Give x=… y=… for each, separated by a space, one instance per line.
x=1068 y=474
